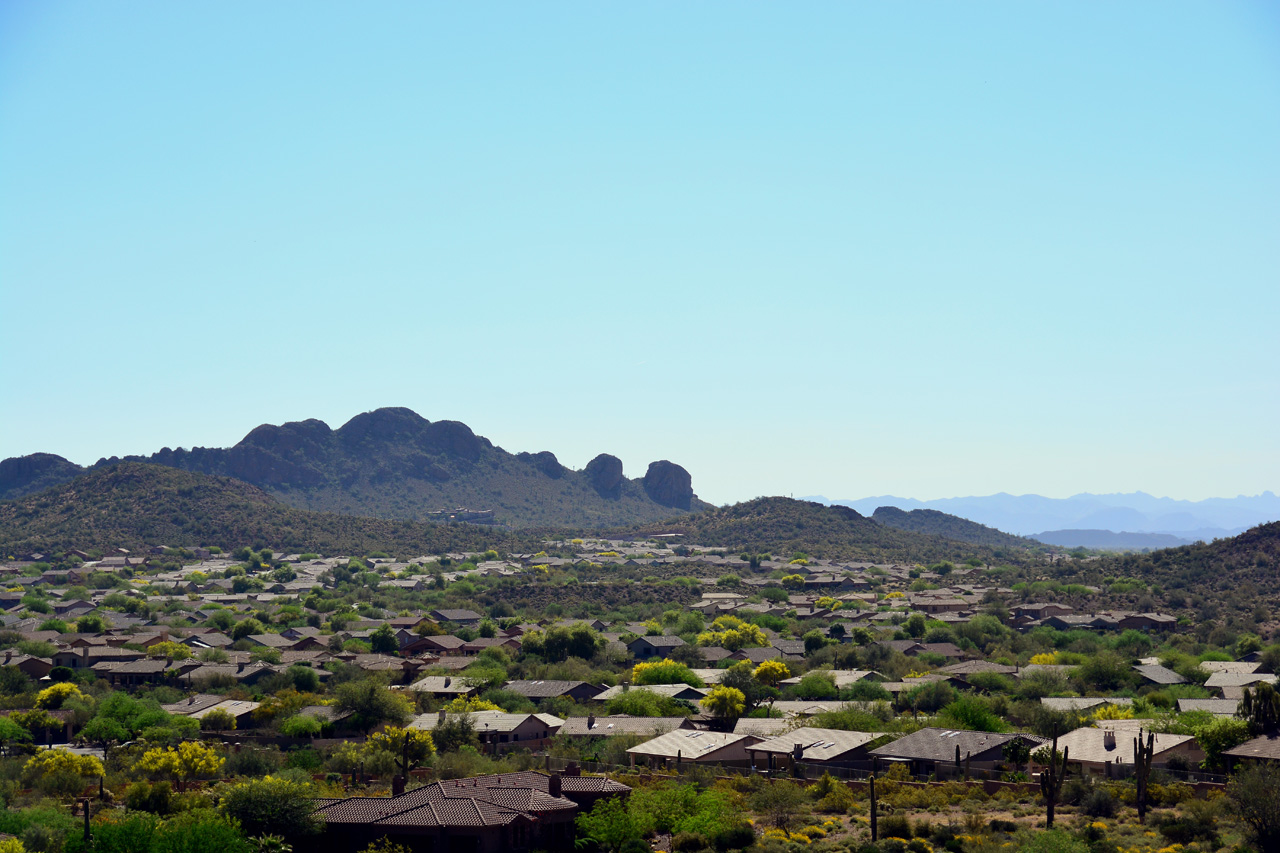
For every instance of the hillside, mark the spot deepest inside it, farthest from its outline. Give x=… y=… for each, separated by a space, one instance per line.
x=934 y=523
x=784 y=526
x=393 y=463
x=1107 y=540
x=1245 y=567
x=132 y=505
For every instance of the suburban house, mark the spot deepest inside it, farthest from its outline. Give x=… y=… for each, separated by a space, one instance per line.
x=685 y=745
x=644 y=648
x=621 y=724
x=823 y=747
x=926 y=750
x=485 y=814
x=578 y=691
x=499 y=731
x=1107 y=751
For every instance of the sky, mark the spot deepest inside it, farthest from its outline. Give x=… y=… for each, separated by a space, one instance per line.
x=925 y=249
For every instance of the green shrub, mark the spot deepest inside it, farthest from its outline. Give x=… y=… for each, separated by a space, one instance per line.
x=895 y=826
x=689 y=842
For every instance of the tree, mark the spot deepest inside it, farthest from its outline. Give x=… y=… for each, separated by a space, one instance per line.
x=90 y=624
x=665 y=671
x=1260 y=707
x=771 y=673
x=1218 y=736
x=11 y=732
x=611 y=824
x=53 y=697
x=383 y=641
x=741 y=677
x=217 y=720
x=1255 y=798
x=300 y=725
x=725 y=702
x=1017 y=752
x=410 y=747
x=371 y=703
x=168 y=650
x=780 y=801
x=104 y=731
x=50 y=762
x=272 y=806
x=191 y=760
x=454 y=733
x=247 y=627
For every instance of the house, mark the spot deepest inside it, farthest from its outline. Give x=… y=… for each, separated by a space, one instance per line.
x=1259 y=749
x=578 y=691
x=698 y=747
x=499 y=731
x=1107 y=751
x=1236 y=681
x=465 y=618
x=644 y=648
x=443 y=686
x=1157 y=674
x=926 y=750
x=671 y=691
x=486 y=814
x=440 y=644
x=823 y=747
x=621 y=724
x=1217 y=707
x=1082 y=704
x=32 y=667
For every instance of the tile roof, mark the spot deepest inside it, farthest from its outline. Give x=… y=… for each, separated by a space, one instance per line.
x=940 y=744
x=689 y=744
x=817 y=744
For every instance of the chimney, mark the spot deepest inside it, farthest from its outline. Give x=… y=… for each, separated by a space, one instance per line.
x=191 y=701
x=7 y=655
x=553 y=784
x=591 y=721
x=440 y=720
x=1109 y=739
x=447 y=681
x=240 y=667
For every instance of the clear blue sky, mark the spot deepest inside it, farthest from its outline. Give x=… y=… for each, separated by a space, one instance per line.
x=926 y=249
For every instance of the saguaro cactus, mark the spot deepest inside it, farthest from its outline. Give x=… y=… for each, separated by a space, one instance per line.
x=1142 y=756
x=1051 y=777
x=871 y=781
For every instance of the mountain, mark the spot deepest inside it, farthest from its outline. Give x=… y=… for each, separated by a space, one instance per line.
x=393 y=463
x=133 y=505
x=783 y=526
x=1241 y=573
x=935 y=523
x=1107 y=540
x=1137 y=512
x=25 y=475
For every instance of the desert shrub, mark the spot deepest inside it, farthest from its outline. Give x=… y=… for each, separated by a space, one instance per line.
x=1000 y=825
x=252 y=761
x=1098 y=803
x=1197 y=822
x=143 y=797
x=895 y=826
x=40 y=838
x=737 y=837
x=689 y=842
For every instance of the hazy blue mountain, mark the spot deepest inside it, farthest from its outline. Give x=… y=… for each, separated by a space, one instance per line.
x=1135 y=512
x=1107 y=540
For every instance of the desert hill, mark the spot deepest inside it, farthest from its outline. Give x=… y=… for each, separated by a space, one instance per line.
x=935 y=523
x=393 y=463
x=783 y=526
x=133 y=504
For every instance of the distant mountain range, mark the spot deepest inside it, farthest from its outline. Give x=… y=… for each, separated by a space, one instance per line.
x=392 y=463
x=1065 y=521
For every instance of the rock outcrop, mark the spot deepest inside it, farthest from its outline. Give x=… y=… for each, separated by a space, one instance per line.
x=604 y=473
x=669 y=484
